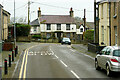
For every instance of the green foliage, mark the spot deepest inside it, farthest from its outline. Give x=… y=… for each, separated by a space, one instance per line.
x=36 y=36
x=89 y=36
x=44 y=37
x=22 y=29
x=53 y=36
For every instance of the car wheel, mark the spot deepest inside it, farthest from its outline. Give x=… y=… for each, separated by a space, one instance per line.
x=109 y=72
x=96 y=65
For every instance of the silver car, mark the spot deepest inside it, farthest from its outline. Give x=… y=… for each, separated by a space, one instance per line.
x=109 y=59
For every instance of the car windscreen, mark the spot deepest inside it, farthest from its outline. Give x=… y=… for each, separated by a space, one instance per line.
x=116 y=53
x=66 y=39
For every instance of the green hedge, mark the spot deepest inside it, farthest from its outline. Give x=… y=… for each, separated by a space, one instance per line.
x=22 y=29
x=89 y=36
x=36 y=36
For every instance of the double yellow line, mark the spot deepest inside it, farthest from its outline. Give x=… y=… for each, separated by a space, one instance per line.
x=22 y=73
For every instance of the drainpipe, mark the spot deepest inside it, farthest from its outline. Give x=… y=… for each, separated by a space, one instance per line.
x=94 y=21
x=110 y=23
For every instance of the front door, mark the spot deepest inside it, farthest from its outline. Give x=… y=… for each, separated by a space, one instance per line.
x=59 y=37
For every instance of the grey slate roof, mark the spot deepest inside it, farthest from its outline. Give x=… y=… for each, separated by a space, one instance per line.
x=34 y=23
x=54 y=19
x=57 y=19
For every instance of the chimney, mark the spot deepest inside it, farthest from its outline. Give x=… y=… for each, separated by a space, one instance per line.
x=71 y=12
x=39 y=13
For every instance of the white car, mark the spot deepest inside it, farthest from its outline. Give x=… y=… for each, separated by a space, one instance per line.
x=108 y=59
x=66 y=41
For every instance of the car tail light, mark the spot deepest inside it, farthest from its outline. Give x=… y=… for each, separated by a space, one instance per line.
x=114 y=60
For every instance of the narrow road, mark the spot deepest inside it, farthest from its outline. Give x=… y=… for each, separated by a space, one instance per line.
x=59 y=61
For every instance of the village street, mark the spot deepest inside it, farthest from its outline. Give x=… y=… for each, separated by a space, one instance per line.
x=46 y=60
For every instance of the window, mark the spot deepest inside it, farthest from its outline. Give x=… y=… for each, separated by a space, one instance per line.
x=115 y=8
x=58 y=26
x=48 y=27
x=35 y=29
x=115 y=35
x=102 y=11
x=103 y=33
x=81 y=29
x=108 y=51
x=104 y=50
x=67 y=26
x=116 y=53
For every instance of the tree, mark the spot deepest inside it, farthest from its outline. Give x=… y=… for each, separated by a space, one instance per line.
x=22 y=29
x=89 y=36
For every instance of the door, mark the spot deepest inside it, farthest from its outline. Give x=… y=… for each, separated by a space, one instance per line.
x=59 y=37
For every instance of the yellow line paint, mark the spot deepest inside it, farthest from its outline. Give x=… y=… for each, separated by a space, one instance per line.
x=20 y=75
x=24 y=61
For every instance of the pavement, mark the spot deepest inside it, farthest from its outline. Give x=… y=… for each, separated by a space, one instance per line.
x=11 y=70
x=83 y=49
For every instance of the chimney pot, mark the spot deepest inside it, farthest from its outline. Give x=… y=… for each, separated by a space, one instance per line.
x=39 y=12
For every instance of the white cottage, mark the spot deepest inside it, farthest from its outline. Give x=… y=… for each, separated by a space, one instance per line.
x=59 y=25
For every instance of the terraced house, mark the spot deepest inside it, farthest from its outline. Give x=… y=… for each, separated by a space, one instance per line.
x=59 y=25
x=109 y=22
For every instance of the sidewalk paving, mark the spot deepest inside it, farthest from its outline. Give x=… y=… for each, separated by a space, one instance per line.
x=21 y=47
x=83 y=49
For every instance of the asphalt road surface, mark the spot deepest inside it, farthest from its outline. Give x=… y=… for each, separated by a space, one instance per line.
x=59 y=61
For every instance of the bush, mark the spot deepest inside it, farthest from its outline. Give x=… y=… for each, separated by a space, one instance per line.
x=89 y=36
x=22 y=29
x=36 y=36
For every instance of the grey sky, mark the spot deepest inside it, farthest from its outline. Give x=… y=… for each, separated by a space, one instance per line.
x=55 y=9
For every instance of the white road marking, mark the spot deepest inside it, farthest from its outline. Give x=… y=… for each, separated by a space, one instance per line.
x=74 y=74
x=72 y=50
x=56 y=56
x=63 y=63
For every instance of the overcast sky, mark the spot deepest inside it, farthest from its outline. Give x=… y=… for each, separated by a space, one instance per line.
x=50 y=7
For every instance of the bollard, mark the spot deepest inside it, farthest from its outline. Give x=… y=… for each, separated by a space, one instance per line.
x=15 y=52
x=9 y=60
x=5 y=67
x=12 y=55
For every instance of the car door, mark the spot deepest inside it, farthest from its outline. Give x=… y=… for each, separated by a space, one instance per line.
x=106 y=57
x=100 y=57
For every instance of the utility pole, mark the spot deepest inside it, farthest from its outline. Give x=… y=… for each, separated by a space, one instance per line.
x=84 y=20
x=14 y=28
x=28 y=12
x=94 y=21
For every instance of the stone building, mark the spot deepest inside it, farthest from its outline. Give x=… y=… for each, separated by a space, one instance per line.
x=109 y=22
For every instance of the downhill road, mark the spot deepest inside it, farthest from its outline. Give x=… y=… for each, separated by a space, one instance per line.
x=59 y=61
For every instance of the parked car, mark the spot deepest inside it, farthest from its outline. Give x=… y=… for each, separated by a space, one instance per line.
x=66 y=41
x=109 y=59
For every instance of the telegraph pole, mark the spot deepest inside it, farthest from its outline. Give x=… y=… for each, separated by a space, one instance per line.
x=28 y=12
x=84 y=19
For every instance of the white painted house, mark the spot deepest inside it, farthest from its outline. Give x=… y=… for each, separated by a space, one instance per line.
x=80 y=30
x=59 y=25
